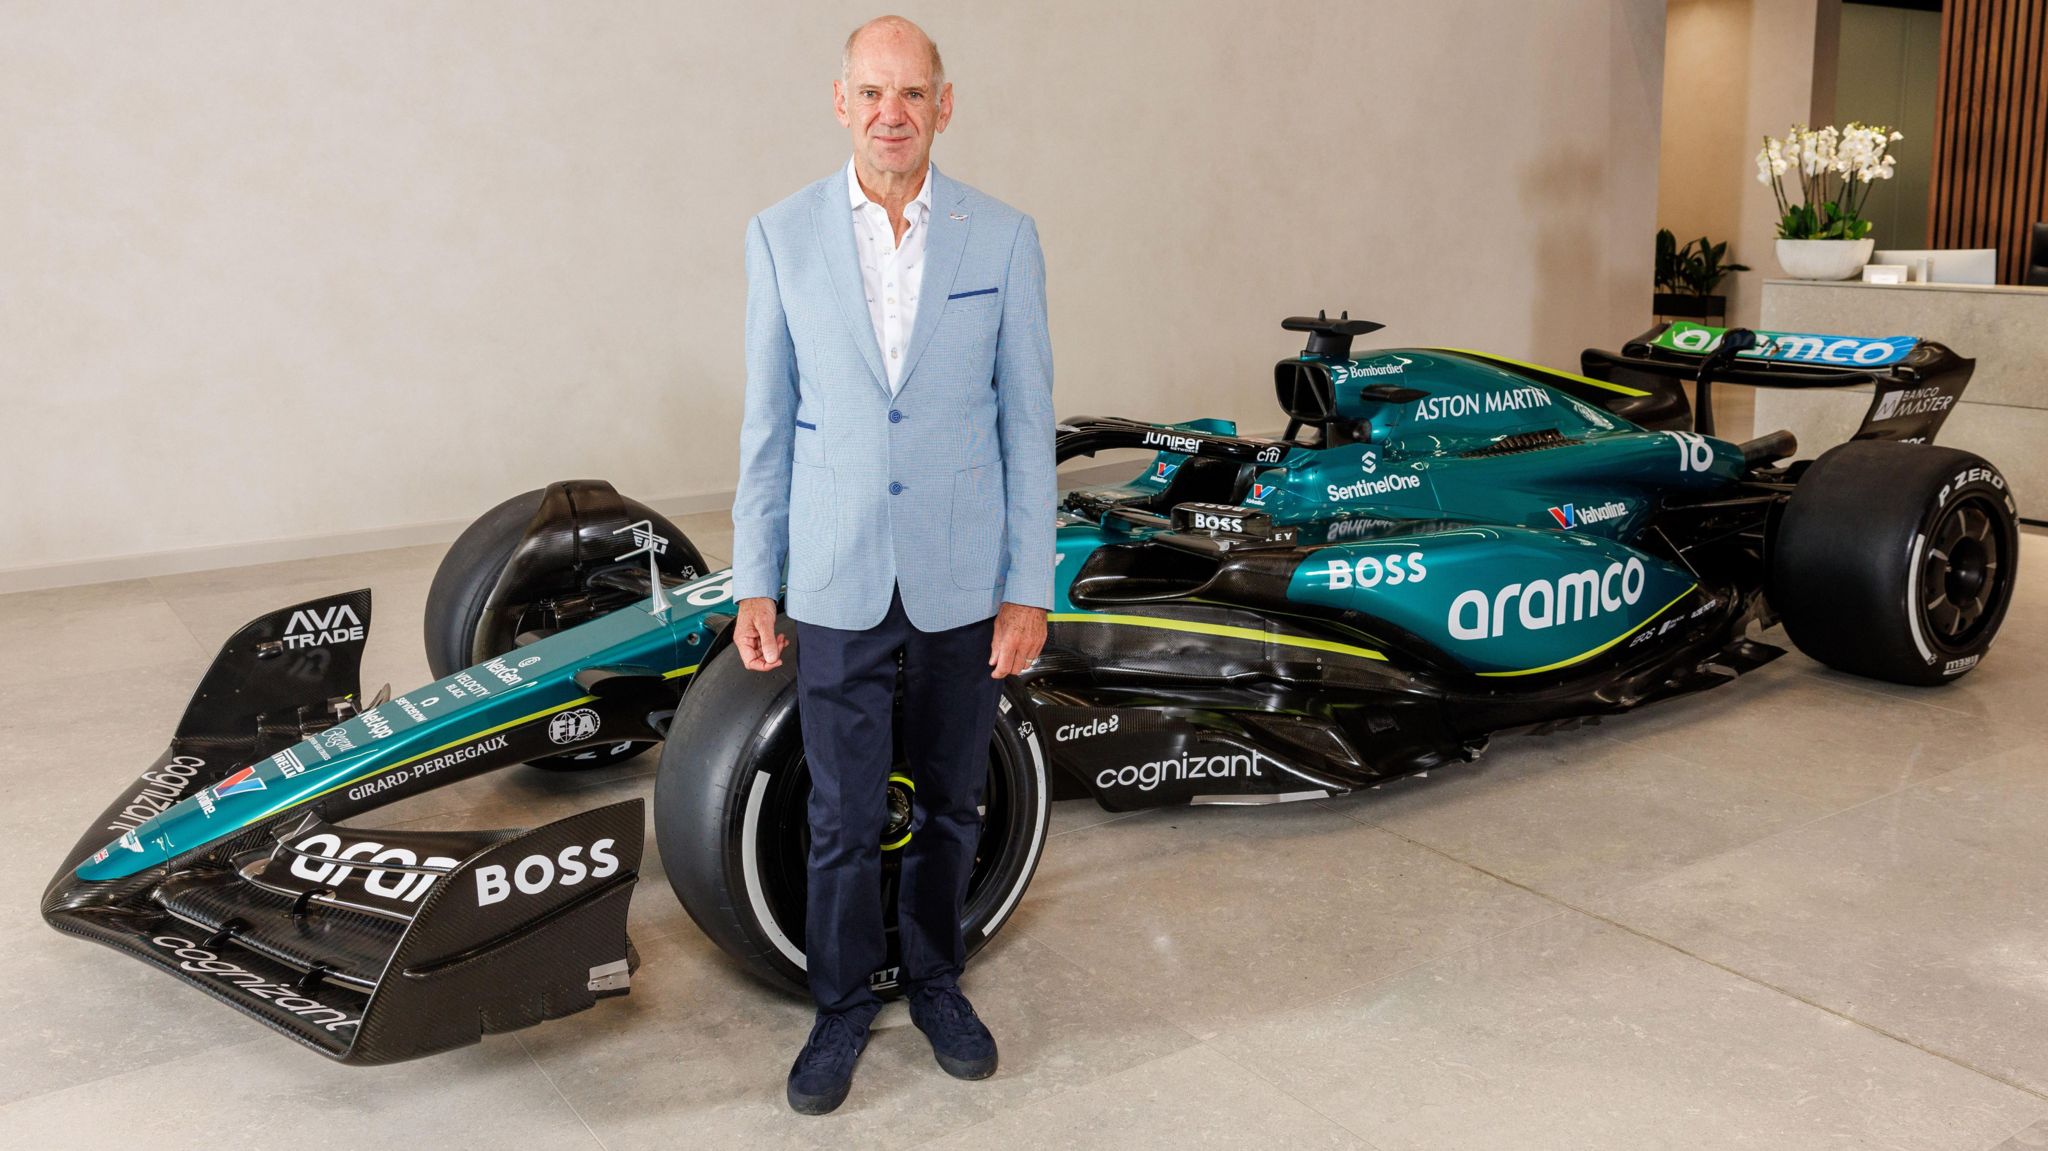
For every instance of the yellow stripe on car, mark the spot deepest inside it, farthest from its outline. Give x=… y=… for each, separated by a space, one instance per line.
x=1247 y=633
x=1572 y=376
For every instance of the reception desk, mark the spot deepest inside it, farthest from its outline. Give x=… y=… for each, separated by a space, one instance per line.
x=2003 y=415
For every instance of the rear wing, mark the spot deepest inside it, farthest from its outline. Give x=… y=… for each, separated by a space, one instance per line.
x=1914 y=383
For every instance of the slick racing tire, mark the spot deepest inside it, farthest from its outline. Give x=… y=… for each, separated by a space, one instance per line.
x=1896 y=561
x=463 y=585
x=730 y=820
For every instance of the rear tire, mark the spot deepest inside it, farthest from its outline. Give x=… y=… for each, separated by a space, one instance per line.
x=462 y=588
x=1896 y=561
x=731 y=825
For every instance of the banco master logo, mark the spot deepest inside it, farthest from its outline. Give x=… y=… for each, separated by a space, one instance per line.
x=1574 y=596
x=1150 y=774
x=338 y=624
x=1572 y=515
x=1912 y=402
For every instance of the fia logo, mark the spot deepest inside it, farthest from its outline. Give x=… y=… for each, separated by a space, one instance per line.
x=574 y=726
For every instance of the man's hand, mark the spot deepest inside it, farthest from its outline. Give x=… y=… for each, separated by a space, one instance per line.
x=1020 y=632
x=760 y=648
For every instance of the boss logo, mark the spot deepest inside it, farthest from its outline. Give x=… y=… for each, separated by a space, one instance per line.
x=537 y=873
x=1210 y=522
x=1370 y=571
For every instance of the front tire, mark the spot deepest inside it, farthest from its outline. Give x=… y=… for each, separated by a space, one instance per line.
x=731 y=825
x=456 y=634
x=1896 y=561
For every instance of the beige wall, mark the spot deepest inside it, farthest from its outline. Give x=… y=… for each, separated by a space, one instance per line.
x=1736 y=71
x=352 y=273
x=1890 y=69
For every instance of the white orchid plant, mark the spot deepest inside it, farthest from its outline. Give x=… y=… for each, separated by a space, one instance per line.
x=1834 y=170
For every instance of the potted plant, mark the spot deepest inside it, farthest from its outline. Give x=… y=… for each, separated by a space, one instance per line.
x=1822 y=235
x=1687 y=276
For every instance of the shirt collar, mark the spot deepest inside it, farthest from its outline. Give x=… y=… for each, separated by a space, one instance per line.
x=858 y=199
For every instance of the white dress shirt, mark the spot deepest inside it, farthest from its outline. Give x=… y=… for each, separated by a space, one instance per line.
x=891 y=272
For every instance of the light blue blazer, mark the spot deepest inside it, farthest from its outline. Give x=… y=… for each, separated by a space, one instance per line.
x=945 y=490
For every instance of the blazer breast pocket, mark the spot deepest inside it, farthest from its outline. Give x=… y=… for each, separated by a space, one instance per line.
x=977 y=525
x=813 y=527
x=973 y=300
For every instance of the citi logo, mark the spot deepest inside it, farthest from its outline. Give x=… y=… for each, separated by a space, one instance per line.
x=1571 y=515
x=338 y=624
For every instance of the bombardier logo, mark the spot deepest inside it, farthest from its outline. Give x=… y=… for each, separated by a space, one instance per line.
x=1571 y=515
x=1573 y=597
x=338 y=624
x=1476 y=403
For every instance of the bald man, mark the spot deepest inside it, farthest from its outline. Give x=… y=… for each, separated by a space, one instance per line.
x=897 y=456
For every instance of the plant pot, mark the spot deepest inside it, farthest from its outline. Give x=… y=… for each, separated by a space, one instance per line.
x=1823 y=259
x=1690 y=306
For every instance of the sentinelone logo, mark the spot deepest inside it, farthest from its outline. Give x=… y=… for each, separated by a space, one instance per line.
x=1382 y=486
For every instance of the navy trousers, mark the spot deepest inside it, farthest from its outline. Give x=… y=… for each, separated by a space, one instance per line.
x=846 y=683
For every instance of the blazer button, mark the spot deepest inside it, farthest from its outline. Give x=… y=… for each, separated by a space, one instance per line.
x=895 y=489
x=895 y=417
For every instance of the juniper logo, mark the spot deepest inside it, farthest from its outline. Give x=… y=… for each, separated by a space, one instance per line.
x=1186 y=445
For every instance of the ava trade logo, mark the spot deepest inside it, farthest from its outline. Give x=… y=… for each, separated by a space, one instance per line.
x=1571 y=515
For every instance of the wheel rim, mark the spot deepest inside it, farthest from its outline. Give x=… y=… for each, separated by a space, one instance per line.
x=1963 y=574
x=782 y=847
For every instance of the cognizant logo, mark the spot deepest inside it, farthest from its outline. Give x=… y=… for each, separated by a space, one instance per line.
x=1150 y=774
x=1574 y=596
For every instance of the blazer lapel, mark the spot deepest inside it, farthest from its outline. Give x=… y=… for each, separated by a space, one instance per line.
x=943 y=246
x=834 y=222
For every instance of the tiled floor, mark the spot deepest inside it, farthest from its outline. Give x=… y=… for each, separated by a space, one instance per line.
x=1799 y=911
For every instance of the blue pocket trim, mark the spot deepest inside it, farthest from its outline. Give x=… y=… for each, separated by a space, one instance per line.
x=976 y=292
x=801 y=424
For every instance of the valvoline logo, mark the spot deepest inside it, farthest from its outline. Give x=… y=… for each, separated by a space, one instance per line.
x=1571 y=516
x=1162 y=472
x=1259 y=493
x=243 y=780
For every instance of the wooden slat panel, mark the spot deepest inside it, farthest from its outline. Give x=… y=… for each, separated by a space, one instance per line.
x=1990 y=177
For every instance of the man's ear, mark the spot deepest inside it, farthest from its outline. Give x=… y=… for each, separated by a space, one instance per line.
x=839 y=102
x=945 y=105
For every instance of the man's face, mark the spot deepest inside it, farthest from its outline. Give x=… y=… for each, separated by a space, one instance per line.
x=889 y=104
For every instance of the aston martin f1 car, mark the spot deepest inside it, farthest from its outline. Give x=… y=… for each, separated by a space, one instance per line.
x=1441 y=546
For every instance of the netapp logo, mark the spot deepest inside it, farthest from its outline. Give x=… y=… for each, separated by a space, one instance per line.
x=1186 y=445
x=1575 y=596
x=341 y=858
x=1359 y=489
x=1150 y=774
x=1072 y=731
x=1475 y=403
x=537 y=873
x=338 y=624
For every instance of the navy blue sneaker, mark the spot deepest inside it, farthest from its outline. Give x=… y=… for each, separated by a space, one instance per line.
x=823 y=1070
x=960 y=1042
